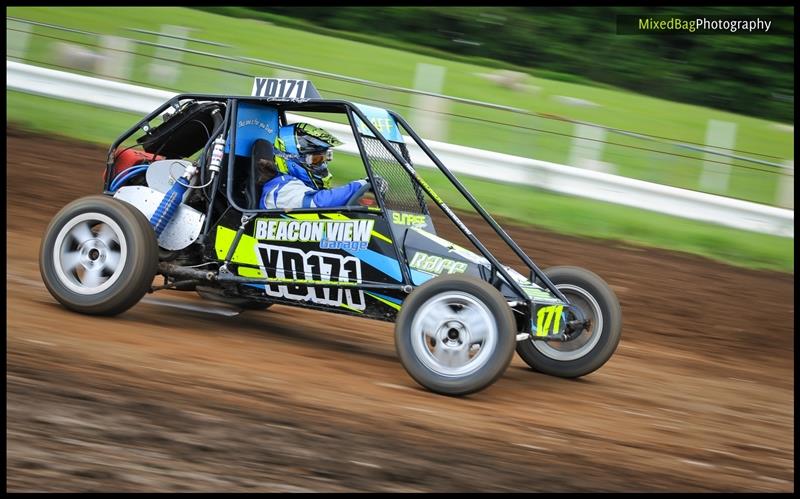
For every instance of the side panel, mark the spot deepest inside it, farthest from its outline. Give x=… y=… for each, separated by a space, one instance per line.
x=429 y=255
x=303 y=252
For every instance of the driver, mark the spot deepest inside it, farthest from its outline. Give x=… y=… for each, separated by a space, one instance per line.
x=299 y=177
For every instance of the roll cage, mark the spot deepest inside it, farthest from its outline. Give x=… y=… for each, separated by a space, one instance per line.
x=353 y=113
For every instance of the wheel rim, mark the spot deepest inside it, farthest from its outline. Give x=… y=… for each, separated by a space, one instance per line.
x=454 y=334
x=89 y=253
x=584 y=342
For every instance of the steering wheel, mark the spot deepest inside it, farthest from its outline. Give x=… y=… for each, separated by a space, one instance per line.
x=356 y=196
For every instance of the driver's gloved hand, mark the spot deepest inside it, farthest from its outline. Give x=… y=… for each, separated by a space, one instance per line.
x=381 y=184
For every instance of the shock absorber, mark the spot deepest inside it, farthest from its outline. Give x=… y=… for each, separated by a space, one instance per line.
x=173 y=198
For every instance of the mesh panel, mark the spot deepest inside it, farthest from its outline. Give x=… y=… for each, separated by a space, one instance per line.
x=403 y=193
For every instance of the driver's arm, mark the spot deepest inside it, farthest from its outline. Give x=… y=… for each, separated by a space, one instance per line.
x=336 y=196
x=290 y=193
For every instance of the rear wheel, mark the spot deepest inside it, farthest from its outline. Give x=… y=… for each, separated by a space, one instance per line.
x=98 y=256
x=455 y=334
x=590 y=348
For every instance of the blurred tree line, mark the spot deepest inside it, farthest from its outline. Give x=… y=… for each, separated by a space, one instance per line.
x=746 y=73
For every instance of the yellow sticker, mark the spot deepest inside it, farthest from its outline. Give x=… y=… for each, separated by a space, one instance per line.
x=547 y=316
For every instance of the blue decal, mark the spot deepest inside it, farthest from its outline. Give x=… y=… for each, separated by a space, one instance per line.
x=253 y=122
x=383 y=263
x=349 y=246
x=387 y=298
x=381 y=120
x=418 y=277
x=389 y=266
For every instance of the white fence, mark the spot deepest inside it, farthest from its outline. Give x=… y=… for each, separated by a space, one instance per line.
x=461 y=160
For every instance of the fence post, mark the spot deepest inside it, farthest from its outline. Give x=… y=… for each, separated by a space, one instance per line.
x=116 y=57
x=785 y=196
x=165 y=72
x=427 y=109
x=587 y=148
x=17 y=36
x=720 y=135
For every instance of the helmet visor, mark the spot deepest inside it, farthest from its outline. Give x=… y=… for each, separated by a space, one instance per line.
x=318 y=158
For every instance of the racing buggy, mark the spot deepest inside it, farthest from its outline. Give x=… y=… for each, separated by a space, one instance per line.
x=181 y=201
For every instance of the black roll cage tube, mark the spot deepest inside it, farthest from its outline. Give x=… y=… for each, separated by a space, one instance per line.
x=472 y=201
x=351 y=110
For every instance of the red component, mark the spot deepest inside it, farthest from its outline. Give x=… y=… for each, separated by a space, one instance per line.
x=130 y=157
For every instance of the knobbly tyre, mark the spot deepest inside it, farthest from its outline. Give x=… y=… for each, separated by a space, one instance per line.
x=181 y=201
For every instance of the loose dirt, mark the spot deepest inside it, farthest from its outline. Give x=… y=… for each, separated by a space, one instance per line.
x=698 y=397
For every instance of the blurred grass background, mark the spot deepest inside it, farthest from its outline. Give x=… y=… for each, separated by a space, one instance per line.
x=529 y=136
x=526 y=206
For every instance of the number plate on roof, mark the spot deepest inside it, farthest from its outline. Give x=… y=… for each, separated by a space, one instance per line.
x=282 y=88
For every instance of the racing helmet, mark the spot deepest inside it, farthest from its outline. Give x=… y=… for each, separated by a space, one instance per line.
x=303 y=151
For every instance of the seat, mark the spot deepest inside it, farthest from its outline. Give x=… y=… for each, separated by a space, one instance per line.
x=262 y=149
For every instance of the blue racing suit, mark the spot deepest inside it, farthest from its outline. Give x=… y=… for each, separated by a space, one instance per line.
x=287 y=191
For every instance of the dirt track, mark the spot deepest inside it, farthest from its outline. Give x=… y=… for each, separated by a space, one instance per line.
x=698 y=397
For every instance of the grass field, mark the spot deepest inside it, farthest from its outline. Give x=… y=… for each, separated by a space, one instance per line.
x=480 y=127
x=523 y=205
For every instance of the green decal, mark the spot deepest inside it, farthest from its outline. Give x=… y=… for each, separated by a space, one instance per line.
x=436 y=264
x=384 y=125
x=429 y=190
x=547 y=316
x=387 y=302
x=402 y=218
x=536 y=292
x=245 y=251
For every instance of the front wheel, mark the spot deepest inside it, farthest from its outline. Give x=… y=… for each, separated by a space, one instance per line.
x=98 y=256
x=590 y=348
x=455 y=334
